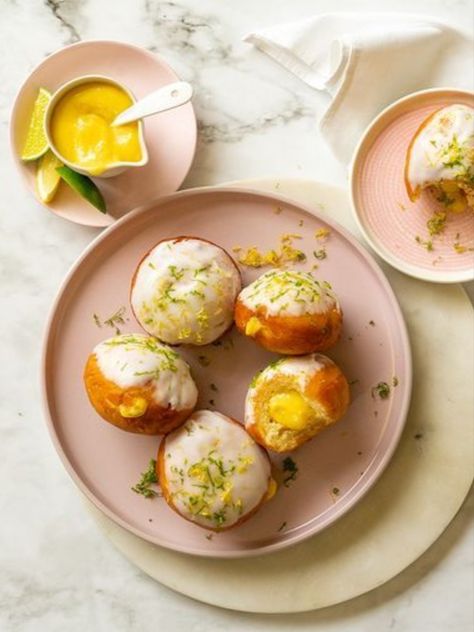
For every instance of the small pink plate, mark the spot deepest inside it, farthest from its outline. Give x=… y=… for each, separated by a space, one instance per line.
x=334 y=470
x=394 y=226
x=170 y=136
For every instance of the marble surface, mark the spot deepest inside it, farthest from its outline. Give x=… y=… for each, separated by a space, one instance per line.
x=57 y=571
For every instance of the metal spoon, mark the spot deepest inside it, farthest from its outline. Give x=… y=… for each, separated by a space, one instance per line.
x=171 y=96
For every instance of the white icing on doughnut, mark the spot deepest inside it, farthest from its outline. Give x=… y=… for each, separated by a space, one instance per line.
x=215 y=472
x=304 y=368
x=184 y=291
x=289 y=293
x=136 y=360
x=444 y=148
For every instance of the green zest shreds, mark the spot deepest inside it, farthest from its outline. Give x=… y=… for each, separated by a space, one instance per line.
x=147 y=479
x=176 y=273
x=452 y=154
x=428 y=244
x=271 y=365
x=289 y=466
x=275 y=363
x=459 y=156
x=177 y=308
x=212 y=480
x=117 y=318
x=382 y=389
x=278 y=284
x=167 y=297
x=168 y=356
x=436 y=224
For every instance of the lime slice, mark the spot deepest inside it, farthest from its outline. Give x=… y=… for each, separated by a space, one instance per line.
x=36 y=143
x=47 y=176
x=84 y=186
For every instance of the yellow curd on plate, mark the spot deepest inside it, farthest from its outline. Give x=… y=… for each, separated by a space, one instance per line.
x=81 y=128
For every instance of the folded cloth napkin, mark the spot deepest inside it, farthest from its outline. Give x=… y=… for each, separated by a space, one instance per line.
x=364 y=62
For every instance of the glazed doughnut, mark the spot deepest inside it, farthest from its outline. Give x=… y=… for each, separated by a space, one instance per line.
x=212 y=472
x=289 y=312
x=441 y=157
x=293 y=399
x=184 y=291
x=139 y=384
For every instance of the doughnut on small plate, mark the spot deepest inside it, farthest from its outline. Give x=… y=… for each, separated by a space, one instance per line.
x=395 y=227
x=334 y=470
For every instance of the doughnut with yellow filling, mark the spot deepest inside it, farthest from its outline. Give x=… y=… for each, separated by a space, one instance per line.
x=139 y=384
x=289 y=312
x=293 y=399
x=441 y=157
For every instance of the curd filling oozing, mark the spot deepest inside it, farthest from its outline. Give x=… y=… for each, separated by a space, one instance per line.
x=288 y=406
x=136 y=408
x=135 y=360
x=290 y=409
x=81 y=127
x=253 y=326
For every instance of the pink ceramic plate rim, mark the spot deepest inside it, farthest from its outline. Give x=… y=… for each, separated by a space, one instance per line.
x=363 y=146
x=102 y=220
x=344 y=505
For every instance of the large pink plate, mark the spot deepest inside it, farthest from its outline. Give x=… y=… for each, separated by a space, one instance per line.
x=170 y=136
x=335 y=470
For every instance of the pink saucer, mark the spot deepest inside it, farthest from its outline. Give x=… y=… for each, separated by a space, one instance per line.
x=170 y=136
x=388 y=219
x=334 y=470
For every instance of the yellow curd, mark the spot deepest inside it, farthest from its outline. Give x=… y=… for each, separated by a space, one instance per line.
x=81 y=127
x=291 y=410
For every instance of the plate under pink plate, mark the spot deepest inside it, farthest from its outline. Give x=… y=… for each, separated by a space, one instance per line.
x=389 y=220
x=335 y=469
x=170 y=136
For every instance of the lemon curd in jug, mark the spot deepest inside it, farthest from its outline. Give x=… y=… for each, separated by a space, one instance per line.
x=81 y=128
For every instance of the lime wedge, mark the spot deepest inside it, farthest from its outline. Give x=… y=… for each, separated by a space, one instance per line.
x=47 y=176
x=36 y=143
x=84 y=186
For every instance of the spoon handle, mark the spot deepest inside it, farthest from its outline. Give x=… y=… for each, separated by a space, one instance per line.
x=166 y=98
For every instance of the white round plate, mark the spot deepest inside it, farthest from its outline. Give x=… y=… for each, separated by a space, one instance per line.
x=411 y=505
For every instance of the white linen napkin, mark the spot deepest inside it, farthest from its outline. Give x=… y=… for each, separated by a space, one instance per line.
x=364 y=62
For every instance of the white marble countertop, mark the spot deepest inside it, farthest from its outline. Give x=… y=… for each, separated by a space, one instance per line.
x=57 y=571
